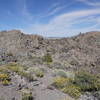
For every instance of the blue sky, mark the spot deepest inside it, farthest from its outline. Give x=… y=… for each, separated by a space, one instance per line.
x=51 y=18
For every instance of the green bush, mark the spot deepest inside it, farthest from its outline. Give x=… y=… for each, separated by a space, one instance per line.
x=5 y=82
x=28 y=76
x=3 y=76
x=72 y=90
x=65 y=85
x=9 y=54
x=86 y=81
x=27 y=96
x=61 y=73
x=14 y=68
x=65 y=74
x=22 y=73
x=39 y=73
x=47 y=58
x=81 y=81
x=3 y=69
x=59 y=82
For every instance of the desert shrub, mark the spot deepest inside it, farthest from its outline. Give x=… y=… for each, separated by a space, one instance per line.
x=22 y=73
x=14 y=68
x=87 y=81
x=61 y=73
x=9 y=54
x=65 y=74
x=81 y=82
x=72 y=90
x=47 y=58
x=28 y=76
x=65 y=85
x=39 y=73
x=5 y=82
x=4 y=79
x=3 y=69
x=31 y=70
x=12 y=64
x=3 y=76
x=70 y=75
x=27 y=96
x=59 y=82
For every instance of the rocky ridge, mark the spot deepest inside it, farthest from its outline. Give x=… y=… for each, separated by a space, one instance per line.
x=32 y=62
x=82 y=51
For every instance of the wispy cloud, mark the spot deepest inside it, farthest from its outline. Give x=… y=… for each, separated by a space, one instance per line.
x=66 y=23
x=23 y=10
x=56 y=8
x=26 y=13
x=90 y=3
x=52 y=10
x=59 y=8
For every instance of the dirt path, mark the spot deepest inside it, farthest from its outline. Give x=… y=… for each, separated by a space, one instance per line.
x=9 y=93
x=41 y=89
x=44 y=93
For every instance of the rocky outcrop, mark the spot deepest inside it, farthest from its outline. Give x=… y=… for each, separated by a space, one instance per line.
x=82 y=51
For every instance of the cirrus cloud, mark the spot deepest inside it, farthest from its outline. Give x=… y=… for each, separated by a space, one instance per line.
x=68 y=24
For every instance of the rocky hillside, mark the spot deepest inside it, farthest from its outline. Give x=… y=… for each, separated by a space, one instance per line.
x=36 y=68
x=82 y=51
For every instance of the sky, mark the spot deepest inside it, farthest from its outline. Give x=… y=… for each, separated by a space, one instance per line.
x=50 y=18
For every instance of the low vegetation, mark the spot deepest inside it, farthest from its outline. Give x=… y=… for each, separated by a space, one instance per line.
x=65 y=74
x=13 y=67
x=4 y=79
x=9 y=54
x=27 y=95
x=47 y=58
x=82 y=82
x=87 y=81
x=59 y=82
x=5 y=82
x=3 y=76
x=39 y=73
x=40 y=57
x=65 y=85
x=72 y=90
